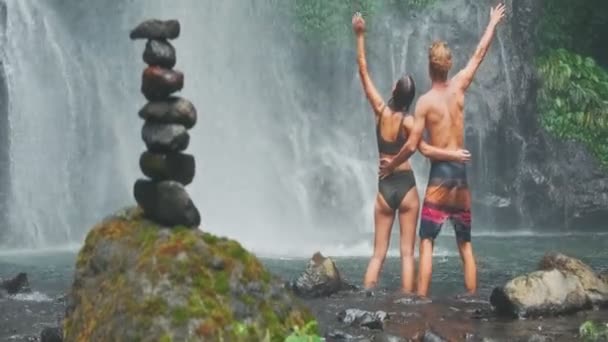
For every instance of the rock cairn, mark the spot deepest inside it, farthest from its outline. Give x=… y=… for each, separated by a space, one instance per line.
x=168 y=118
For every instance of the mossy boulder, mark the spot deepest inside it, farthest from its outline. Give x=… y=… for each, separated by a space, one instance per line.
x=137 y=281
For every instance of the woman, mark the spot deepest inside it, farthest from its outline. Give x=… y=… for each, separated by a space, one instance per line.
x=397 y=191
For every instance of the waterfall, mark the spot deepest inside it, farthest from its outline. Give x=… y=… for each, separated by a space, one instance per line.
x=71 y=143
x=282 y=166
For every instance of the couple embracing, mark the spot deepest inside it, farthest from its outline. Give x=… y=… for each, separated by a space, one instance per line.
x=441 y=112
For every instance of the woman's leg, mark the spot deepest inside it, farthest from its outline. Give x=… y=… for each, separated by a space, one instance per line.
x=408 y=218
x=383 y=219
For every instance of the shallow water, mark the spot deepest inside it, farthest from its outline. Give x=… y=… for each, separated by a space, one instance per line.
x=499 y=259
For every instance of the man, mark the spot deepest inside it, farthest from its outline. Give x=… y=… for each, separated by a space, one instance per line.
x=441 y=110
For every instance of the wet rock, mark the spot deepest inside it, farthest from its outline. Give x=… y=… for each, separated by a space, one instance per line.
x=595 y=288
x=19 y=284
x=167 y=203
x=159 y=53
x=320 y=279
x=174 y=110
x=159 y=83
x=339 y=335
x=178 y=167
x=540 y=293
x=136 y=281
x=51 y=335
x=431 y=336
x=362 y=318
x=165 y=138
x=383 y=337
x=156 y=29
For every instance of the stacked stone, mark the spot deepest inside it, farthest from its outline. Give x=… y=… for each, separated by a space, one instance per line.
x=163 y=197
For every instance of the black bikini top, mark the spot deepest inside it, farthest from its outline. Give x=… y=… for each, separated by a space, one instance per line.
x=391 y=147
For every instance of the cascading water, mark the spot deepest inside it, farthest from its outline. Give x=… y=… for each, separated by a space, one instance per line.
x=282 y=166
x=72 y=153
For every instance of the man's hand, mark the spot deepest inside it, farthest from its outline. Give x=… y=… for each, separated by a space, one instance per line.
x=386 y=167
x=463 y=156
x=358 y=24
x=497 y=13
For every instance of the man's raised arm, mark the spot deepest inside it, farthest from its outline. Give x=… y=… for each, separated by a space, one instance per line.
x=465 y=76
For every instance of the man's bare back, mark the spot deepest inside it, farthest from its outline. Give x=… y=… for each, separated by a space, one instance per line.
x=444 y=119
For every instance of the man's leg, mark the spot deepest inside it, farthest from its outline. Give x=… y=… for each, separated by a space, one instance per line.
x=469 y=267
x=425 y=267
x=431 y=220
x=462 y=226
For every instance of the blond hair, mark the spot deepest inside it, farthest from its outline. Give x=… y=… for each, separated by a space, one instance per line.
x=440 y=60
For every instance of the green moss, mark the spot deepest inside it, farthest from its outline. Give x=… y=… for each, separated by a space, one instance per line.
x=221 y=282
x=182 y=257
x=166 y=338
x=180 y=316
x=154 y=306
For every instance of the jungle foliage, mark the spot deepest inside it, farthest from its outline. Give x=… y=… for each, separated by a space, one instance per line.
x=573 y=99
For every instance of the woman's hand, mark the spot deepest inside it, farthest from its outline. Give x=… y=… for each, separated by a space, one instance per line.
x=358 y=24
x=463 y=156
x=386 y=168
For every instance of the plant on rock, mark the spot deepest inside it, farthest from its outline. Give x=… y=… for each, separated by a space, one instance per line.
x=574 y=100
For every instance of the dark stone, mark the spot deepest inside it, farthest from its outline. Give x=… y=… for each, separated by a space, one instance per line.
x=159 y=53
x=320 y=279
x=51 y=335
x=174 y=110
x=166 y=203
x=339 y=335
x=362 y=318
x=178 y=167
x=156 y=29
x=159 y=83
x=19 y=284
x=165 y=138
x=431 y=336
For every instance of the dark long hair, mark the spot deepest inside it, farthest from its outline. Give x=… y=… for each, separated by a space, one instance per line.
x=403 y=95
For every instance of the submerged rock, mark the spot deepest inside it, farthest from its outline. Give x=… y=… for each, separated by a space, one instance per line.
x=156 y=29
x=321 y=278
x=165 y=138
x=540 y=293
x=160 y=53
x=135 y=281
x=431 y=336
x=178 y=167
x=159 y=83
x=174 y=110
x=362 y=318
x=595 y=288
x=19 y=284
x=167 y=203
x=51 y=335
